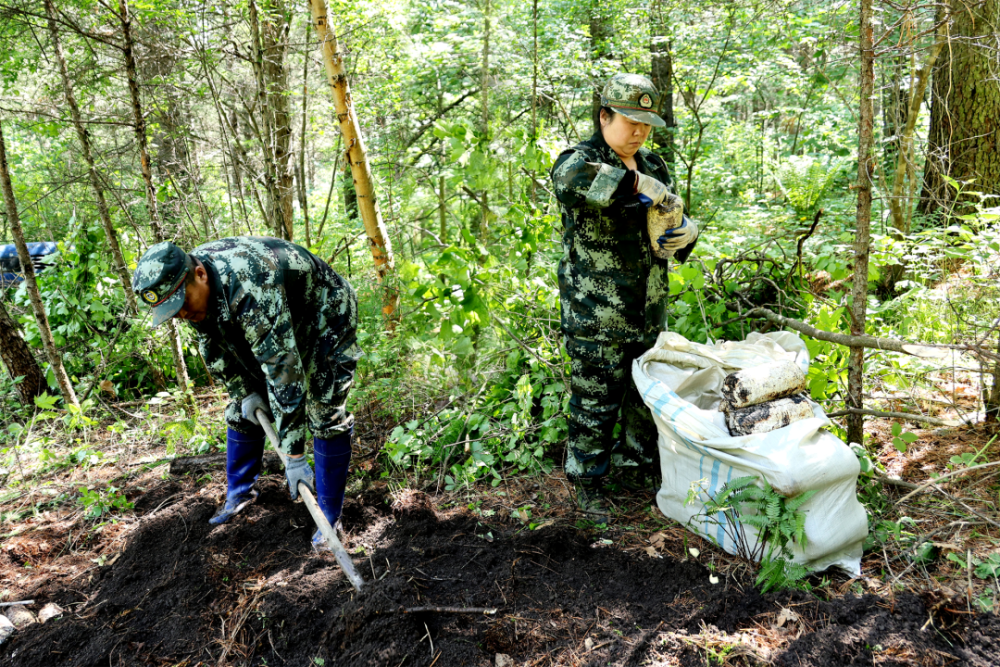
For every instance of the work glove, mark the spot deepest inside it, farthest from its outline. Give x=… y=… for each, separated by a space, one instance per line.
x=296 y=471
x=251 y=404
x=651 y=192
x=679 y=237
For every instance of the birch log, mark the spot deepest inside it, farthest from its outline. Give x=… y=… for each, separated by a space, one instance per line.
x=378 y=237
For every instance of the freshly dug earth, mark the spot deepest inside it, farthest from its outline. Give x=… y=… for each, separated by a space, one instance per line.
x=183 y=592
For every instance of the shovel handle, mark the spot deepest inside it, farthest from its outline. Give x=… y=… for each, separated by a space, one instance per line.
x=343 y=559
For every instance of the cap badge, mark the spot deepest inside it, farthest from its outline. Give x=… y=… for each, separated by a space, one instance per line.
x=645 y=101
x=150 y=296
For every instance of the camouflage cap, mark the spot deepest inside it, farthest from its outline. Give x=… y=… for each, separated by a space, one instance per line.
x=633 y=96
x=159 y=280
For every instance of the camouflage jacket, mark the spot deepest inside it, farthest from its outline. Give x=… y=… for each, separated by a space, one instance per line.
x=611 y=286
x=271 y=306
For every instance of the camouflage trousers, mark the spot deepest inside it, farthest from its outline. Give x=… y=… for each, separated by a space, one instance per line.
x=325 y=406
x=601 y=389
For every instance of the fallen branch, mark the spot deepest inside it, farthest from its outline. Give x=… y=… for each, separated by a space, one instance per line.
x=847 y=340
x=895 y=415
x=938 y=480
x=25 y=603
x=484 y=611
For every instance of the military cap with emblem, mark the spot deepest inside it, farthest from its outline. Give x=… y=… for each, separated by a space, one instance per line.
x=159 y=280
x=633 y=96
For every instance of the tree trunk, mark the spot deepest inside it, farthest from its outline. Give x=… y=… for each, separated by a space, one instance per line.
x=484 y=97
x=95 y=182
x=272 y=212
x=662 y=72
x=899 y=204
x=964 y=138
x=147 y=175
x=275 y=30
x=28 y=269
x=991 y=398
x=862 y=233
x=378 y=238
x=600 y=49
x=18 y=360
x=301 y=171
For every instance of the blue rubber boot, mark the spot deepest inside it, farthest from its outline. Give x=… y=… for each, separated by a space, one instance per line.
x=243 y=456
x=331 y=458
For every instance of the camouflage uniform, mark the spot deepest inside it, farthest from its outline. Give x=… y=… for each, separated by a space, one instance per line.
x=613 y=298
x=282 y=323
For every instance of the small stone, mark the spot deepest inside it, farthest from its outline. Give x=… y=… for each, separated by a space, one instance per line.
x=504 y=660
x=20 y=616
x=588 y=644
x=49 y=611
x=6 y=629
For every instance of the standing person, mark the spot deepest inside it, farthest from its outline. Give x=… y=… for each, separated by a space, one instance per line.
x=612 y=288
x=278 y=325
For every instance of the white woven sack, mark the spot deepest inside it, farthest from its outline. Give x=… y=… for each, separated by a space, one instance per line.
x=681 y=381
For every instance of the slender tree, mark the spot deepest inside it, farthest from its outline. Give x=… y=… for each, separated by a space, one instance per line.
x=28 y=269
x=18 y=359
x=378 y=238
x=128 y=52
x=862 y=232
x=484 y=98
x=95 y=181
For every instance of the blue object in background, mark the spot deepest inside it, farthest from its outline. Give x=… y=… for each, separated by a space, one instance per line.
x=10 y=264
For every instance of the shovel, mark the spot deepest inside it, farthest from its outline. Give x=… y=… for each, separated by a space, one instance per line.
x=343 y=559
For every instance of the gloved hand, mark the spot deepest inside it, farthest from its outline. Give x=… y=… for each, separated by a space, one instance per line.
x=651 y=192
x=251 y=404
x=296 y=471
x=679 y=237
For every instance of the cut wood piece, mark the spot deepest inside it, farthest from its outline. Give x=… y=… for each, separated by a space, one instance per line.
x=6 y=629
x=186 y=464
x=767 y=417
x=764 y=383
x=49 y=611
x=663 y=217
x=20 y=616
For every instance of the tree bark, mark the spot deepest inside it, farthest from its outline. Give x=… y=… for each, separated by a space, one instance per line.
x=18 y=359
x=121 y=268
x=904 y=160
x=301 y=170
x=862 y=232
x=273 y=214
x=28 y=269
x=275 y=30
x=964 y=138
x=600 y=48
x=378 y=238
x=484 y=203
x=128 y=52
x=662 y=71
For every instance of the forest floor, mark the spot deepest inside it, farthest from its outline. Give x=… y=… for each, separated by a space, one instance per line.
x=158 y=585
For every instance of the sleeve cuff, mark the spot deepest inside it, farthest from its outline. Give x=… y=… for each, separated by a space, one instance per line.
x=605 y=185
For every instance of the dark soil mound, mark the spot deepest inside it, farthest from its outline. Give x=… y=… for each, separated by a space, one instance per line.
x=252 y=593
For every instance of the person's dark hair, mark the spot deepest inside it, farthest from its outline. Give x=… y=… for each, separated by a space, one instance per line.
x=597 y=119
